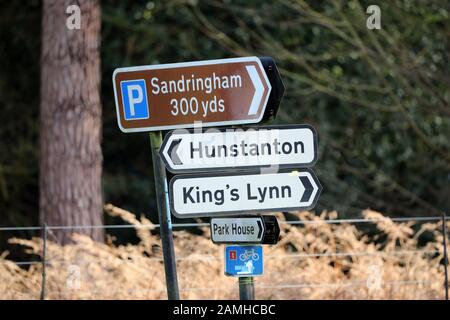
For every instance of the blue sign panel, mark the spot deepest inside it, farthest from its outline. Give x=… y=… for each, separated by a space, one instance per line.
x=134 y=95
x=243 y=261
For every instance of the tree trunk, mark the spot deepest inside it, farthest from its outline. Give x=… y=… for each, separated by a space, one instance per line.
x=70 y=120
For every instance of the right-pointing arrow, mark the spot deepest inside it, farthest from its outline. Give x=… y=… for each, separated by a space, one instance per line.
x=260 y=228
x=172 y=152
x=259 y=90
x=308 y=189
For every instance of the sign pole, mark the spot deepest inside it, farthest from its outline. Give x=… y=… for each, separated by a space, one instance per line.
x=246 y=288
x=162 y=198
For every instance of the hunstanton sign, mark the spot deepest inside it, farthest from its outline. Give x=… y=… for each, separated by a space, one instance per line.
x=213 y=92
x=231 y=149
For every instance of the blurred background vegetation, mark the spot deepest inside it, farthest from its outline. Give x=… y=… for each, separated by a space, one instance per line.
x=379 y=99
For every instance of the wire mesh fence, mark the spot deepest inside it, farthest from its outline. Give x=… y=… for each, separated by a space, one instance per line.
x=71 y=269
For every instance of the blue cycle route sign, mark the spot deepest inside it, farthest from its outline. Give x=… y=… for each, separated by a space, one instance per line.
x=243 y=261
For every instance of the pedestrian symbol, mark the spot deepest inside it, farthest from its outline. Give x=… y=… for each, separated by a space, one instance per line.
x=134 y=96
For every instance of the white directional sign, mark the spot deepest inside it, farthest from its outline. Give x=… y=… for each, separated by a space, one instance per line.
x=211 y=195
x=237 y=230
x=280 y=146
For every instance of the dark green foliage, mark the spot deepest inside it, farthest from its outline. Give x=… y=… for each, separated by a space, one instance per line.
x=378 y=98
x=19 y=106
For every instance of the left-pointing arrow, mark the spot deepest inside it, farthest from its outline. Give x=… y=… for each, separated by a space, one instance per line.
x=172 y=152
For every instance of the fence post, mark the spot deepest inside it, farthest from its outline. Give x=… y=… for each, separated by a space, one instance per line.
x=44 y=253
x=444 y=242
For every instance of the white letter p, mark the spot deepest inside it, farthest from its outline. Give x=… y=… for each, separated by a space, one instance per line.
x=134 y=100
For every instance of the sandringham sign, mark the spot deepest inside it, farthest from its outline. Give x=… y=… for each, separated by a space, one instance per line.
x=214 y=92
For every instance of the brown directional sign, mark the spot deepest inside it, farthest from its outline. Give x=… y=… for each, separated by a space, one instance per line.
x=181 y=95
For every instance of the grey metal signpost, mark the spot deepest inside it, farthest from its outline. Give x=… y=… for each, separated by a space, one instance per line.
x=246 y=288
x=162 y=199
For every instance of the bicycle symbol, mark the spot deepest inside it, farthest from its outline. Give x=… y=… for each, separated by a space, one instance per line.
x=249 y=254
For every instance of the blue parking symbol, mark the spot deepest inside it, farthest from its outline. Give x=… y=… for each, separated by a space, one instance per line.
x=243 y=261
x=134 y=97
